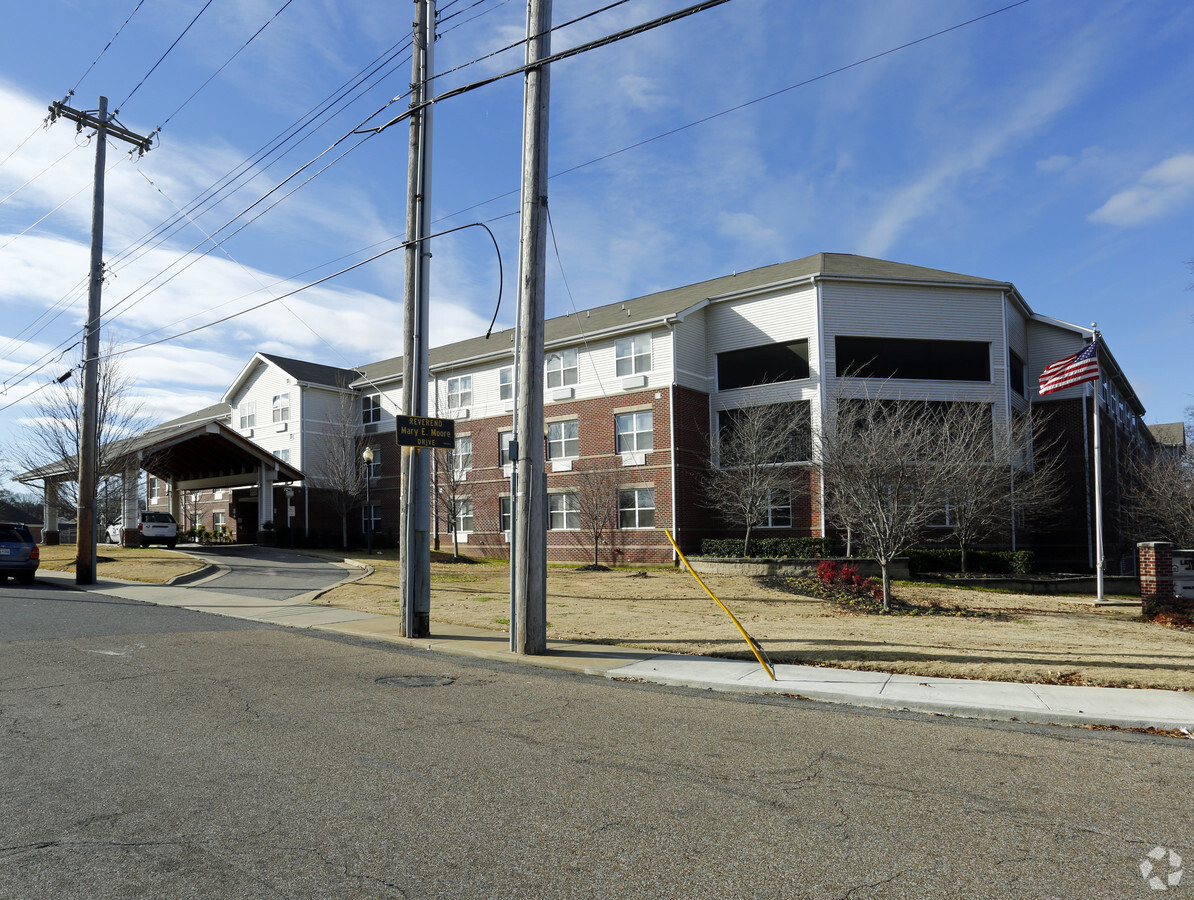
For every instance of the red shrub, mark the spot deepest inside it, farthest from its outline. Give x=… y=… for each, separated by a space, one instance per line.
x=828 y=571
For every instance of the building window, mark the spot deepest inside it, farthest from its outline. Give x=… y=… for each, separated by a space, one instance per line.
x=219 y=521
x=563 y=512
x=248 y=414
x=779 y=510
x=913 y=358
x=196 y=521
x=563 y=440
x=371 y=409
x=283 y=455
x=282 y=407
x=464 y=515
x=155 y=489
x=634 y=431
x=766 y=364
x=373 y=467
x=636 y=508
x=506 y=383
x=633 y=354
x=460 y=392
x=370 y=518
x=462 y=454
x=506 y=514
x=505 y=439
x=1015 y=373
x=560 y=366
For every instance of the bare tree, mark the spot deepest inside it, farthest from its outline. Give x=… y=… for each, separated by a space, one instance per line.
x=597 y=503
x=756 y=449
x=54 y=432
x=451 y=486
x=997 y=474
x=882 y=478
x=336 y=466
x=1161 y=502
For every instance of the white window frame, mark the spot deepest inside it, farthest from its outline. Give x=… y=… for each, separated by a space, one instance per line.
x=634 y=432
x=505 y=439
x=462 y=455
x=373 y=468
x=563 y=439
x=370 y=409
x=563 y=511
x=778 y=500
x=505 y=514
x=506 y=383
x=632 y=355
x=283 y=454
x=460 y=392
x=219 y=519
x=281 y=407
x=464 y=516
x=248 y=414
x=155 y=489
x=370 y=518
x=643 y=502
x=561 y=368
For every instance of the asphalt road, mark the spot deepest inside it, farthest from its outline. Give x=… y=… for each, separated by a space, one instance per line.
x=160 y=753
x=264 y=572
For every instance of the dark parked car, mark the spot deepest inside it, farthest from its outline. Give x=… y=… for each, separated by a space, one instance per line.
x=19 y=554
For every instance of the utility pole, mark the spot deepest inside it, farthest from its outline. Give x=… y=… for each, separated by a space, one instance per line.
x=88 y=450
x=416 y=461
x=529 y=628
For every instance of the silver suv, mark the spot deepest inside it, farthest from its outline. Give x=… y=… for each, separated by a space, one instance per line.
x=157 y=528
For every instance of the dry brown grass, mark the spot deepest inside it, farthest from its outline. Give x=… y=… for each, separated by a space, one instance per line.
x=132 y=563
x=1036 y=639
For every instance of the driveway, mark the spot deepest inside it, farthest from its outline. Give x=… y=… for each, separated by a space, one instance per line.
x=265 y=572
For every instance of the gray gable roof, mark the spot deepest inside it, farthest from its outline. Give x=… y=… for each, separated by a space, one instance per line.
x=312 y=373
x=633 y=314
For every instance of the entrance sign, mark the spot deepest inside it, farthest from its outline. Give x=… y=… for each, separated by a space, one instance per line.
x=1183 y=573
x=420 y=431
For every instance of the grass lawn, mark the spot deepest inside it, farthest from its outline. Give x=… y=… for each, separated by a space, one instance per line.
x=1017 y=637
x=133 y=563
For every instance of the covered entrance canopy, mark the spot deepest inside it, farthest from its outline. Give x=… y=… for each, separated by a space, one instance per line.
x=194 y=453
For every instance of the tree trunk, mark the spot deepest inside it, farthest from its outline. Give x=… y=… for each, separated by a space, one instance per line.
x=746 y=543
x=886 y=588
x=455 y=544
x=596 y=541
x=344 y=531
x=965 y=567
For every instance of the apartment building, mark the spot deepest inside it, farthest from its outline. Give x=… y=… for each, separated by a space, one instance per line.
x=635 y=389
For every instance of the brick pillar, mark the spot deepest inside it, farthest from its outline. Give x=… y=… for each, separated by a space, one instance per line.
x=1156 y=569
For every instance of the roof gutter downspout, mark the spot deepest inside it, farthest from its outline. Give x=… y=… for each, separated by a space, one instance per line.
x=671 y=422
x=822 y=413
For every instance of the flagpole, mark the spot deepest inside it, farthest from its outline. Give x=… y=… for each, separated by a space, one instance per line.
x=1098 y=489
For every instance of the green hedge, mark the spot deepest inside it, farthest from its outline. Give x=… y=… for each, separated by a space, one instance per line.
x=767 y=547
x=1001 y=562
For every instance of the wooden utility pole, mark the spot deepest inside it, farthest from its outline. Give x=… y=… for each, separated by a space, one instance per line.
x=89 y=449
x=416 y=461
x=529 y=628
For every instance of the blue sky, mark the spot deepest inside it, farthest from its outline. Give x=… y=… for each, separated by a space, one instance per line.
x=1049 y=145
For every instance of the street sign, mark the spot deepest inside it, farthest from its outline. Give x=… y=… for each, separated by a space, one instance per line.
x=419 y=431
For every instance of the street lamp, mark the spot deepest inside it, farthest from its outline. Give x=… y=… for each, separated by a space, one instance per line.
x=367 y=456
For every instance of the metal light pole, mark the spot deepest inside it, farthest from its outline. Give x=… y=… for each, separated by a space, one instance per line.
x=367 y=456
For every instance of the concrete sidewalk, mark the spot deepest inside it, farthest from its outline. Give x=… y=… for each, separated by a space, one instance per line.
x=1006 y=701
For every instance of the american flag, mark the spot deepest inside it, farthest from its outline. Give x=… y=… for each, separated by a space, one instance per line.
x=1080 y=368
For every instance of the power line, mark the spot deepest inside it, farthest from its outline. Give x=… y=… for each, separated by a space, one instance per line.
x=740 y=106
x=269 y=22
x=71 y=92
x=163 y=56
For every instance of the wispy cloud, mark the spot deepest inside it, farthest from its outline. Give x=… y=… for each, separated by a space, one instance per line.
x=1161 y=191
